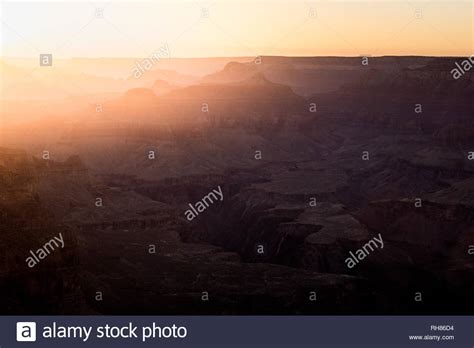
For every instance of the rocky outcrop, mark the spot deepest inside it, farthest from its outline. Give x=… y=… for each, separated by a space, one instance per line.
x=52 y=285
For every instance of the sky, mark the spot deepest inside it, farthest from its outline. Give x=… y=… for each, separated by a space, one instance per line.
x=229 y=28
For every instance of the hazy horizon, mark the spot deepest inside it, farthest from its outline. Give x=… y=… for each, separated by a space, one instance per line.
x=248 y=57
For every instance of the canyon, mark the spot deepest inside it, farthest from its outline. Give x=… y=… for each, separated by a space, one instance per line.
x=416 y=190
